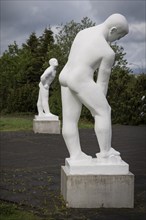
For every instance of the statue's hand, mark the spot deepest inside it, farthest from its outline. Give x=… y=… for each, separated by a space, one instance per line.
x=46 y=86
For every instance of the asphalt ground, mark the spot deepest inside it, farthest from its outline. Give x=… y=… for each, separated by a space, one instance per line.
x=31 y=165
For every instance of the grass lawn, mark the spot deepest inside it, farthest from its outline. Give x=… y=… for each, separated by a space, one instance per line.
x=16 y=122
x=19 y=122
x=12 y=212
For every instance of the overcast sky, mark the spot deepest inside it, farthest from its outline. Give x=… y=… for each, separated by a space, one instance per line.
x=19 y=18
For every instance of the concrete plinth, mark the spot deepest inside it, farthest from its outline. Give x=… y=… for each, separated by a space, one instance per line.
x=46 y=126
x=95 y=167
x=96 y=191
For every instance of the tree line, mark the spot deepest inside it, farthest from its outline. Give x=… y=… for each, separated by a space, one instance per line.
x=21 y=69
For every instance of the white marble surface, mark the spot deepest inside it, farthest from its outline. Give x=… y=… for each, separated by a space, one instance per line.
x=46 y=126
x=45 y=81
x=95 y=167
x=90 y=51
x=47 y=118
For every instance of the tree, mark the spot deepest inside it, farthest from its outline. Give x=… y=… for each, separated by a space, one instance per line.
x=120 y=61
x=9 y=63
x=139 y=100
x=68 y=32
x=33 y=67
x=21 y=69
x=125 y=92
x=32 y=43
x=45 y=40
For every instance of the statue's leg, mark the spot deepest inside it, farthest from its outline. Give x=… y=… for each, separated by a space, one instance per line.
x=39 y=104
x=93 y=98
x=71 y=107
x=45 y=100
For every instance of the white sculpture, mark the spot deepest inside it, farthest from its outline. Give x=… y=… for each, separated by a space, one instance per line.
x=45 y=81
x=90 y=51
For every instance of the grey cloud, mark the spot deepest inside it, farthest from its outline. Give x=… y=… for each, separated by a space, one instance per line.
x=135 y=11
x=29 y=15
x=20 y=18
x=131 y=9
x=136 y=56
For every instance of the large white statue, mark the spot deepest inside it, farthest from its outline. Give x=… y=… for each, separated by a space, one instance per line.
x=90 y=51
x=44 y=85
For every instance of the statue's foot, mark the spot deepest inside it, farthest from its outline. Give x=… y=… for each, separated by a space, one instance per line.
x=41 y=114
x=114 y=152
x=50 y=115
x=81 y=156
x=105 y=154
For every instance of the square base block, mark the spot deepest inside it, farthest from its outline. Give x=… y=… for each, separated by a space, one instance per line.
x=95 y=167
x=97 y=191
x=46 y=126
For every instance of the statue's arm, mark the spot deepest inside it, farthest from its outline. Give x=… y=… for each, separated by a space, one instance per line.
x=45 y=76
x=105 y=71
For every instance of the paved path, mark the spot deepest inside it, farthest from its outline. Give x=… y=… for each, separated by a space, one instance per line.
x=30 y=166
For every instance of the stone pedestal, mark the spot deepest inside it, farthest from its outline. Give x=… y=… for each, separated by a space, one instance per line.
x=97 y=185
x=49 y=125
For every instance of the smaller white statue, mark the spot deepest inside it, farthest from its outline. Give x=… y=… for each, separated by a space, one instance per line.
x=45 y=81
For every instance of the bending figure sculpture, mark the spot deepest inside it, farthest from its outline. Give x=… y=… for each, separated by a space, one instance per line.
x=90 y=51
x=44 y=85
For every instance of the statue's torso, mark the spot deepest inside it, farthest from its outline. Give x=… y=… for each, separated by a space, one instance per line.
x=86 y=54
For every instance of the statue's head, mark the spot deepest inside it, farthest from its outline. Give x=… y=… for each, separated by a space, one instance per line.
x=117 y=27
x=53 y=62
